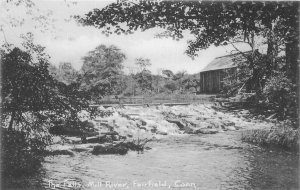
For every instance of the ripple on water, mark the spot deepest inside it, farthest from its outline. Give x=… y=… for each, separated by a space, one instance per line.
x=218 y=161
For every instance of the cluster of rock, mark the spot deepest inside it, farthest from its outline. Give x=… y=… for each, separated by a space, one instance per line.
x=125 y=124
x=200 y=121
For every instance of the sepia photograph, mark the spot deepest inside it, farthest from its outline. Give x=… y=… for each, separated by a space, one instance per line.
x=149 y=95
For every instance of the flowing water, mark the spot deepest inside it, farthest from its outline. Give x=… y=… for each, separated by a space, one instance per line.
x=219 y=161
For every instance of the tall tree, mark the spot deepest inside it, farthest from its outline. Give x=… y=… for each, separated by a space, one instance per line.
x=144 y=77
x=142 y=63
x=64 y=73
x=101 y=70
x=171 y=85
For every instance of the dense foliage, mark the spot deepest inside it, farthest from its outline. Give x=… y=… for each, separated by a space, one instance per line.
x=280 y=94
x=32 y=102
x=101 y=73
x=64 y=73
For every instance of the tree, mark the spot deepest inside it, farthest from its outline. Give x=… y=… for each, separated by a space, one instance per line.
x=168 y=73
x=158 y=83
x=144 y=77
x=144 y=80
x=171 y=85
x=178 y=77
x=212 y=23
x=32 y=102
x=64 y=73
x=102 y=70
x=142 y=63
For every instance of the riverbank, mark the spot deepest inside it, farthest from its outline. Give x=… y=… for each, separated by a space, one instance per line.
x=284 y=137
x=283 y=134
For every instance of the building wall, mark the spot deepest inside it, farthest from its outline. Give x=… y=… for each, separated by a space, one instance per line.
x=211 y=81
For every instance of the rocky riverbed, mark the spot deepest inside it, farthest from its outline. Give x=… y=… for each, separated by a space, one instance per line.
x=131 y=127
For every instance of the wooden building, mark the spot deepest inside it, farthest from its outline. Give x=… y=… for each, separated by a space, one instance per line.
x=212 y=75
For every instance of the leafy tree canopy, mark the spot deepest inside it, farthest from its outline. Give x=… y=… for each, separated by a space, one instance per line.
x=210 y=22
x=101 y=70
x=27 y=87
x=64 y=73
x=172 y=86
x=168 y=73
x=142 y=63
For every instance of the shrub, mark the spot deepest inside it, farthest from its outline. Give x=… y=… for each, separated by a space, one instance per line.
x=20 y=156
x=280 y=95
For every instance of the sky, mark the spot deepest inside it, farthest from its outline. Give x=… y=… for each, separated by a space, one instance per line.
x=66 y=41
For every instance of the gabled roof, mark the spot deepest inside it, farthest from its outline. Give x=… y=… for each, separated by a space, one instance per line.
x=224 y=62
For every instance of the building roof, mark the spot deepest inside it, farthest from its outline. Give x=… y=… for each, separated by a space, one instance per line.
x=224 y=62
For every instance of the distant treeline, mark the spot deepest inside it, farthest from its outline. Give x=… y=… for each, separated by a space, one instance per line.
x=102 y=74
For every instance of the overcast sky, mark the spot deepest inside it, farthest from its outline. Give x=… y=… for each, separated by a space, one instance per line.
x=69 y=42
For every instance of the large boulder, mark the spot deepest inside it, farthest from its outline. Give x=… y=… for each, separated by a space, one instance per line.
x=207 y=131
x=120 y=148
x=110 y=149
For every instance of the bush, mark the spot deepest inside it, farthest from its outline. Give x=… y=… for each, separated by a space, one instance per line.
x=20 y=155
x=280 y=95
x=171 y=86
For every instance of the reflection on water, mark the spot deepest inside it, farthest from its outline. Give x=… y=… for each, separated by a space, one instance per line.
x=218 y=161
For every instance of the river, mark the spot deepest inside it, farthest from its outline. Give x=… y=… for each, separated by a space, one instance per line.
x=208 y=162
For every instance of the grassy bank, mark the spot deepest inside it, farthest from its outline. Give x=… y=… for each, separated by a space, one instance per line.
x=283 y=137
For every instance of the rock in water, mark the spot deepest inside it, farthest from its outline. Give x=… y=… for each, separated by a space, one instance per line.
x=188 y=130
x=161 y=133
x=206 y=131
x=143 y=122
x=231 y=128
x=109 y=149
x=177 y=122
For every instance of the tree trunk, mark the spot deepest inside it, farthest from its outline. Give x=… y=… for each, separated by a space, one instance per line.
x=270 y=57
x=292 y=51
x=10 y=127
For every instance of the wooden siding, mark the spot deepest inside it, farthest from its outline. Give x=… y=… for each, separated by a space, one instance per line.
x=211 y=81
